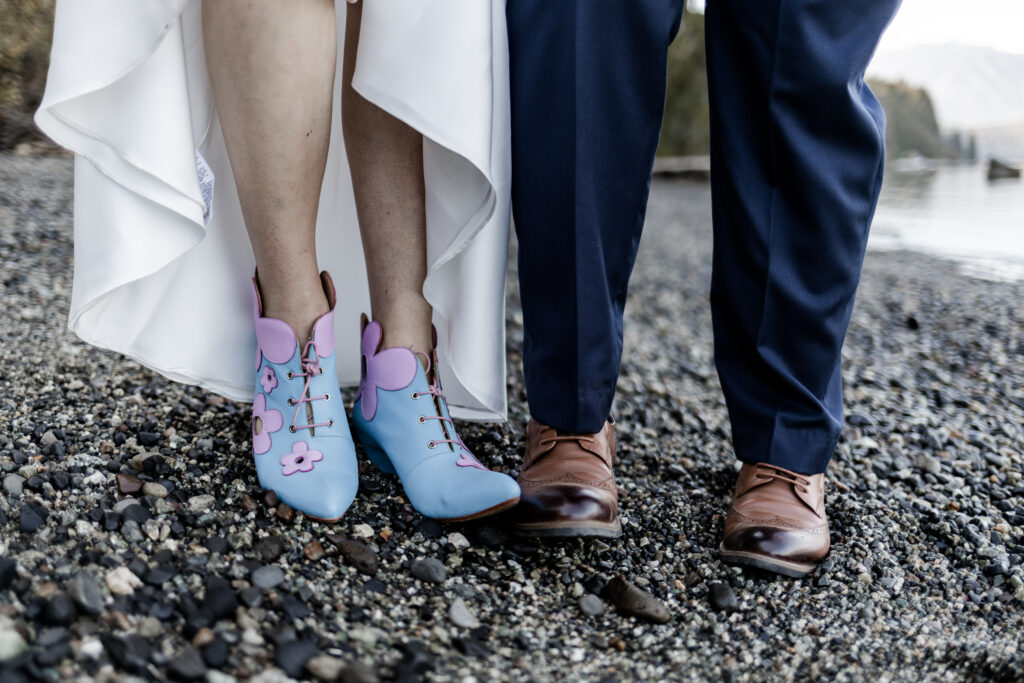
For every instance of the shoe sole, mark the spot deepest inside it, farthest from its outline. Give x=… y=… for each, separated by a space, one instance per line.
x=569 y=530
x=500 y=507
x=794 y=570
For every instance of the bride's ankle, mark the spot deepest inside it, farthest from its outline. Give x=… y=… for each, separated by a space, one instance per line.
x=299 y=310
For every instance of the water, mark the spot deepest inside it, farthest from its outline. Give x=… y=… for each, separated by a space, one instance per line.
x=955 y=213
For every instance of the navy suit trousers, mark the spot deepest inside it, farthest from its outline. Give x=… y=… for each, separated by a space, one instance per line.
x=797 y=148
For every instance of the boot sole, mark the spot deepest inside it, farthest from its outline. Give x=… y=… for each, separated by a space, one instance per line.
x=570 y=530
x=500 y=507
x=794 y=570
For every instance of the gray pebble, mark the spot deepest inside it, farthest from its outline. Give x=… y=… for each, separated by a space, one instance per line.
x=428 y=569
x=591 y=605
x=84 y=590
x=267 y=576
x=461 y=616
x=13 y=485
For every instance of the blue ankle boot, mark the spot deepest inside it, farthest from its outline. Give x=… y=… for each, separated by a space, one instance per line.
x=402 y=421
x=300 y=438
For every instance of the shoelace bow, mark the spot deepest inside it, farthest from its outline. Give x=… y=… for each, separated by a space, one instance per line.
x=435 y=391
x=582 y=439
x=765 y=471
x=310 y=368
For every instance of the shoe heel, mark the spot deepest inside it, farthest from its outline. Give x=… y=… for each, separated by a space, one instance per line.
x=378 y=457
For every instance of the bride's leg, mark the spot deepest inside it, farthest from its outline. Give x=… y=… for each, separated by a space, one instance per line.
x=272 y=69
x=386 y=158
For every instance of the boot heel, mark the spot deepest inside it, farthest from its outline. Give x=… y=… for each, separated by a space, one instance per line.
x=378 y=458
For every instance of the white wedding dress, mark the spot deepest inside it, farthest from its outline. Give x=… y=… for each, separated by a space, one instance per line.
x=162 y=259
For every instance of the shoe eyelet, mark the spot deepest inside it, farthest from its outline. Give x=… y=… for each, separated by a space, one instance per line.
x=422 y=420
x=290 y=375
x=327 y=397
x=330 y=423
x=321 y=371
x=431 y=444
x=415 y=394
x=291 y=428
x=291 y=401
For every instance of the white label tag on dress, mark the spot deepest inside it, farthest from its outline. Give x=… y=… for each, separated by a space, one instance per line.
x=206 y=180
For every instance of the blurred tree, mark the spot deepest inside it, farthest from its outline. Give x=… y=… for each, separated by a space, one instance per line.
x=24 y=58
x=911 y=127
x=685 y=130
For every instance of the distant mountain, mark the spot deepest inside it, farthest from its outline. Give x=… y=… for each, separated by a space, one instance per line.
x=971 y=87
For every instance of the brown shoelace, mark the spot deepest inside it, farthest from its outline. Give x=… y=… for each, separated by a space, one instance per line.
x=765 y=471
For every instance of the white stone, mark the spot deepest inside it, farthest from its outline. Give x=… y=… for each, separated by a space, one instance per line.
x=362 y=531
x=11 y=645
x=201 y=503
x=325 y=667
x=91 y=648
x=461 y=616
x=121 y=581
x=458 y=540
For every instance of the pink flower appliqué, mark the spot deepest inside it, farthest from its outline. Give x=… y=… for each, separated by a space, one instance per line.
x=268 y=379
x=390 y=369
x=467 y=459
x=267 y=420
x=301 y=459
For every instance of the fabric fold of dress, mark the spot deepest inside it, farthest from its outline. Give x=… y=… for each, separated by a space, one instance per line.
x=162 y=259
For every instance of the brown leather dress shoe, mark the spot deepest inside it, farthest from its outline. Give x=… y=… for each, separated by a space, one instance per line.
x=777 y=521
x=568 y=488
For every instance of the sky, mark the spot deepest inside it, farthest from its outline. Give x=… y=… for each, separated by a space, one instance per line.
x=993 y=23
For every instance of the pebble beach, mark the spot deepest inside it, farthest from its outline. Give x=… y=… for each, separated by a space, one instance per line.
x=136 y=543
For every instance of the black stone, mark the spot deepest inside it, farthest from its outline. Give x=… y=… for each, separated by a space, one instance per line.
x=472 y=647
x=723 y=598
x=49 y=656
x=32 y=518
x=416 y=660
x=61 y=481
x=136 y=513
x=147 y=438
x=161 y=610
x=251 y=596
x=111 y=520
x=269 y=548
x=294 y=608
x=217 y=544
x=491 y=537
x=216 y=653
x=8 y=570
x=130 y=652
x=356 y=554
x=220 y=601
x=430 y=528
x=188 y=665
x=375 y=586
x=138 y=567
x=49 y=637
x=293 y=655
x=159 y=575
